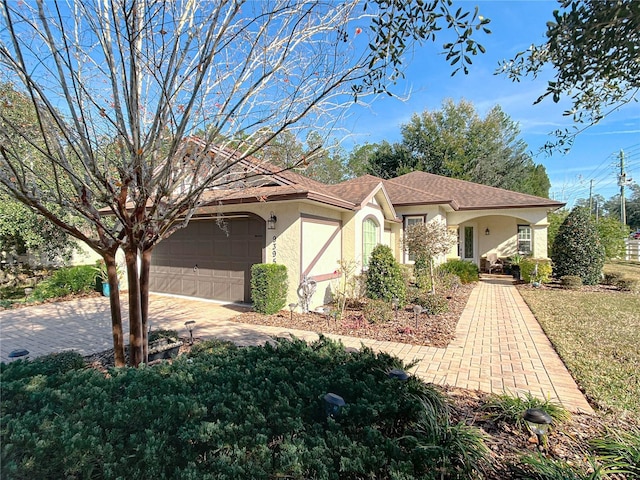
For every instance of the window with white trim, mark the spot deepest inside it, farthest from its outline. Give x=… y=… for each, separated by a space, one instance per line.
x=369 y=239
x=408 y=222
x=524 y=240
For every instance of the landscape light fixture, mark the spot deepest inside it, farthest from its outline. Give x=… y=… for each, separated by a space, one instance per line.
x=190 y=326
x=333 y=403
x=417 y=310
x=271 y=222
x=398 y=374
x=538 y=422
x=487 y=232
x=395 y=301
x=292 y=307
x=19 y=354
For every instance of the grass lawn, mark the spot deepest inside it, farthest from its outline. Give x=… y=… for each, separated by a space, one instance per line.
x=597 y=334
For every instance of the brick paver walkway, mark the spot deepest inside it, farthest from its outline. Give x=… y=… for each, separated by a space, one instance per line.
x=499 y=346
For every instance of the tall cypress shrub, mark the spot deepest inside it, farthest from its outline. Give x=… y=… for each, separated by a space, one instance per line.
x=384 y=277
x=577 y=249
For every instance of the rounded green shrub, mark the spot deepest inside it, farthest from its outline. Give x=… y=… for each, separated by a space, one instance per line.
x=577 y=249
x=570 y=281
x=467 y=271
x=431 y=303
x=384 y=277
x=378 y=311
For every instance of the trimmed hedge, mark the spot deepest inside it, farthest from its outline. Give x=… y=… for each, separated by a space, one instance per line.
x=268 y=287
x=234 y=413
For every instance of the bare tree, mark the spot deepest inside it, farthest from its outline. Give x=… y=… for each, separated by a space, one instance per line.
x=119 y=88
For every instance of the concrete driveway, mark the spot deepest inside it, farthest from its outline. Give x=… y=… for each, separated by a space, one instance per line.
x=84 y=324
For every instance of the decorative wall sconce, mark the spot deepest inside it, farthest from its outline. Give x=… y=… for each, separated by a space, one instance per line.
x=271 y=222
x=487 y=232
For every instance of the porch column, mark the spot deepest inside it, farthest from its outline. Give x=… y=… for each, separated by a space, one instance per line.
x=539 y=234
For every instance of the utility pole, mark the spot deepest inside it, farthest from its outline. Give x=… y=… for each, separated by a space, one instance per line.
x=623 y=182
x=591 y=197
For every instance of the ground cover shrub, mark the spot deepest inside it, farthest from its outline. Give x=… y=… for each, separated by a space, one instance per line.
x=577 y=249
x=612 y=278
x=161 y=333
x=378 y=311
x=619 y=452
x=571 y=281
x=235 y=413
x=510 y=408
x=384 y=276
x=628 y=285
x=268 y=287
x=465 y=270
x=535 y=270
x=66 y=281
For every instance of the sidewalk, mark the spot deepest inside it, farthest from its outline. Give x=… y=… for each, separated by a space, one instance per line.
x=499 y=346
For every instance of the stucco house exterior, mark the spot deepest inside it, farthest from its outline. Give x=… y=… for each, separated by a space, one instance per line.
x=284 y=217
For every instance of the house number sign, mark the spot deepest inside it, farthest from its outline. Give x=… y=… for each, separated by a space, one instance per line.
x=273 y=252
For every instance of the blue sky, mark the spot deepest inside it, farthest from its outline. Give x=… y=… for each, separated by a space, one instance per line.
x=515 y=25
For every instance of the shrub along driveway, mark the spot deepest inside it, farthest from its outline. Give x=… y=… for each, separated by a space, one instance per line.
x=499 y=345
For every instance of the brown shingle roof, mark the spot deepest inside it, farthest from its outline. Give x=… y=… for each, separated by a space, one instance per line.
x=426 y=188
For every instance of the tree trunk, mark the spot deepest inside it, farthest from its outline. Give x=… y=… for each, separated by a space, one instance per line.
x=116 y=313
x=135 y=308
x=433 y=280
x=144 y=298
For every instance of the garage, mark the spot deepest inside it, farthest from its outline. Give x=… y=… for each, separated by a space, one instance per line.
x=210 y=259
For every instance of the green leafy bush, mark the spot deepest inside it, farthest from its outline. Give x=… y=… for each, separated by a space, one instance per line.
x=384 y=276
x=66 y=281
x=535 y=270
x=234 y=413
x=577 y=249
x=268 y=287
x=378 y=311
x=431 y=303
x=467 y=271
x=571 y=281
x=46 y=365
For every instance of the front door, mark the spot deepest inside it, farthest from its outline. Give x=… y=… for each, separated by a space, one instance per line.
x=468 y=243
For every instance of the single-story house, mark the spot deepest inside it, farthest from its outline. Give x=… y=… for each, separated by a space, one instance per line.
x=286 y=218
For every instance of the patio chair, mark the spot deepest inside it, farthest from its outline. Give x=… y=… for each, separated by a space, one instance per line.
x=494 y=263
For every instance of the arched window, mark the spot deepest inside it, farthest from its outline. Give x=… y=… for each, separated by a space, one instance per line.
x=370 y=238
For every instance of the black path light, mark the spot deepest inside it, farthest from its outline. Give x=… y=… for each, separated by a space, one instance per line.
x=333 y=403
x=21 y=353
x=292 y=307
x=538 y=422
x=190 y=325
x=417 y=310
x=398 y=374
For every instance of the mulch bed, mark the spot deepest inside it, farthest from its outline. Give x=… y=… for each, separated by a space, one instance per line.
x=431 y=330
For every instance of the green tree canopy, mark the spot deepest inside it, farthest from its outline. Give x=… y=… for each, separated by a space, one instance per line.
x=593 y=48
x=456 y=142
